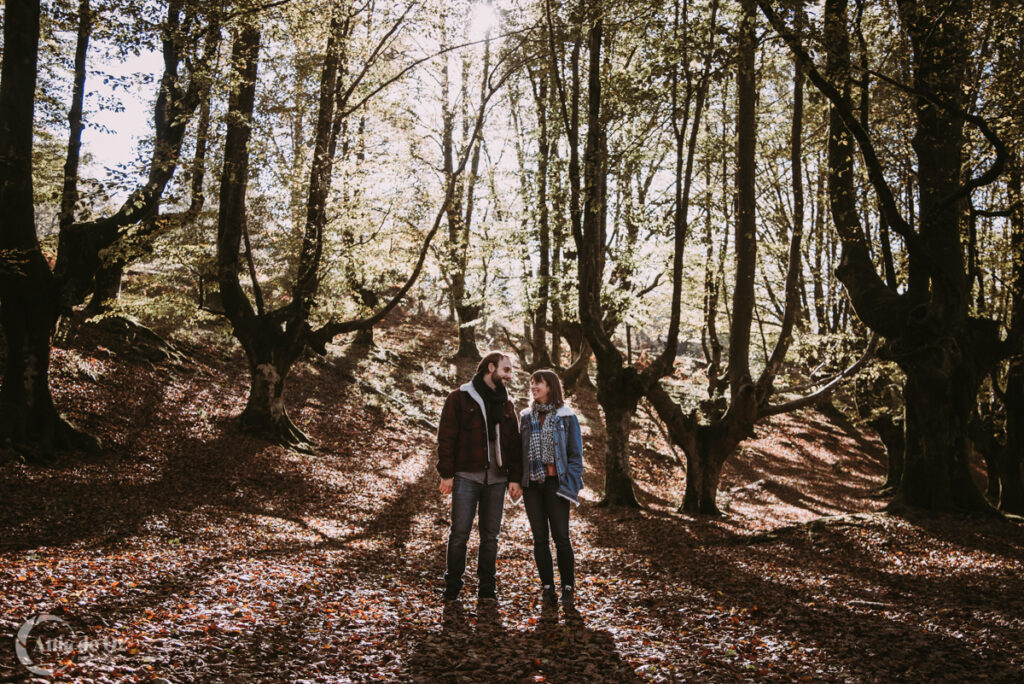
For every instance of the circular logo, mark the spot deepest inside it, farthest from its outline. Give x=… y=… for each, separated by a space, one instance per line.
x=51 y=649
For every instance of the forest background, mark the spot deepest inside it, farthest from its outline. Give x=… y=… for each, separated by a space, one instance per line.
x=713 y=218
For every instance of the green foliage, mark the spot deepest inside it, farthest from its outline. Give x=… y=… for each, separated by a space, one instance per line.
x=387 y=186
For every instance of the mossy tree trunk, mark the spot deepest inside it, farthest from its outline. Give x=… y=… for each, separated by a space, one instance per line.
x=929 y=333
x=29 y=421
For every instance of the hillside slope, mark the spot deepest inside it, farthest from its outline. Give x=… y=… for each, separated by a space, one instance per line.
x=209 y=555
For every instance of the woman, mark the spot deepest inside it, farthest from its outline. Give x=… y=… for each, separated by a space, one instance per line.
x=552 y=479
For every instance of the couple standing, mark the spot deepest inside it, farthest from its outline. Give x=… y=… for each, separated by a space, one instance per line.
x=484 y=448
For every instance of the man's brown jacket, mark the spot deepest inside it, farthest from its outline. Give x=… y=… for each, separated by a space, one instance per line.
x=462 y=444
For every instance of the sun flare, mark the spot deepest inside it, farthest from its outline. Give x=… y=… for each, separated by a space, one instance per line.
x=483 y=20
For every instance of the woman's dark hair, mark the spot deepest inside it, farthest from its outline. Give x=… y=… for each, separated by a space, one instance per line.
x=551 y=379
x=494 y=357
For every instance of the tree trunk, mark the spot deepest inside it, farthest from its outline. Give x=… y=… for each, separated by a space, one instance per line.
x=993 y=459
x=556 y=307
x=891 y=433
x=69 y=192
x=467 y=314
x=460 y=206
x=558 y=234
x=1011 y=485
x=714 y=277
x=712 y=445
x=198 y=192
x=108 y=287
x=364 y=337
x=29 y=422
x=745 y=239
x=541 y=358
x=271 y=350
x=369 y=299
x=706 y=446
x=818 y=287
x=266 y=413
x=794 y=269
x=937 y=475
x=984 y=442
x=618 y=388
x=936 y=350
x=618 y=416
x=703 y=472
x=260 y=336
x=578 y=372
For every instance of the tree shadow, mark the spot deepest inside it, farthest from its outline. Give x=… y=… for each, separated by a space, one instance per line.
x=809 y=457
x=233 y=471
x=395 y=520
x=843 y=422
x=812 y=588
x=996 y=536
x=647 y=498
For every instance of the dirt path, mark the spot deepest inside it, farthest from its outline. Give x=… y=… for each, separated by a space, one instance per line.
x=203 y=555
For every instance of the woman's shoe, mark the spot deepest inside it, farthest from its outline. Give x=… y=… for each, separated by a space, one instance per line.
x=548 y=597
x=568 y=598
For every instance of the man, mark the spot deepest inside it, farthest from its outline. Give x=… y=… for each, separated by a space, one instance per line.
x=478 y=456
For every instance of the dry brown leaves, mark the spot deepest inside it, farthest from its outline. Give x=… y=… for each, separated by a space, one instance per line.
x=211 y=556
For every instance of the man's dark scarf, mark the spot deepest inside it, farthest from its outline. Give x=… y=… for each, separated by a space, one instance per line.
x=495 y=401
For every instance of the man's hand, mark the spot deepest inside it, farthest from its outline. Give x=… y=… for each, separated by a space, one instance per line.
x=515 y=491
x=446 y=485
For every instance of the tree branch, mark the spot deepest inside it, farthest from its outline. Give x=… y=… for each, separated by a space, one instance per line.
x=845 y=109
x=832 y=384
x=318 y=339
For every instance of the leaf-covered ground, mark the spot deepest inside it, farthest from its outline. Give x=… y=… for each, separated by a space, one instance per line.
x=210 y=556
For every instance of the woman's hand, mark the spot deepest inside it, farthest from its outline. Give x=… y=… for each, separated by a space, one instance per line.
x=515 y=491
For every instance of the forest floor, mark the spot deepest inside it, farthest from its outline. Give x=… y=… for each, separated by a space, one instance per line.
x=194 y=553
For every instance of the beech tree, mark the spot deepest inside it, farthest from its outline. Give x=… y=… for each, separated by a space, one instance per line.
x=709 y=436
x=1007 y=82
x=34 y=295
x=468 y=305
x=191 y=39
x=943 y=350
x=274 y=337
x=620 y=385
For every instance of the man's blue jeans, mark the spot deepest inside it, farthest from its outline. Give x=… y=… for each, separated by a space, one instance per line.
x=467 y=497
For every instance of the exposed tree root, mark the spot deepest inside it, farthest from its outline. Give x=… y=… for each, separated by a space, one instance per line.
x=139 y=339
x=816 y=525
x=619 y=501
x=883 y=492
x=709 y=510
x=981 y=507
x=40 y=445
x=282 y=432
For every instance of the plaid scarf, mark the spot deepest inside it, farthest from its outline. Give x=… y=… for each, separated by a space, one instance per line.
x=542 y=440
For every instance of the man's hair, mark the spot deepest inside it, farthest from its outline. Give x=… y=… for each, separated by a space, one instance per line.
x=494 y=357
x=554 y=383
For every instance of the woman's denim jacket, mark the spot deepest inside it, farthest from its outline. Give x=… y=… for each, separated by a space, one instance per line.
x=568 y=451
